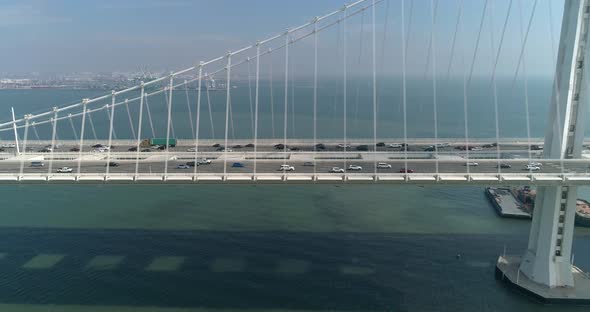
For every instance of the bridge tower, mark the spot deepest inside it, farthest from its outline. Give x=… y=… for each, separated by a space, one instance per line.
x=548 y=257
x=546 y=267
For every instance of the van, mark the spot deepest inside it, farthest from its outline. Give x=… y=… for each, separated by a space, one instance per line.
x=37 y=164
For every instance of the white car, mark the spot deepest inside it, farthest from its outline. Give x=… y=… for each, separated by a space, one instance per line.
x=383 y=166
x=287 y=168
x=183 y=167
x=101 y=150
x=337 y=170
x=192 y=149
x=204 y=161
x=471 y=163
x=477 y=148
x=444 y=144
x=535 y=164
x=342 y=145
x=65 y=170
x=395 y=145
x=532 y=168
x=355 y=168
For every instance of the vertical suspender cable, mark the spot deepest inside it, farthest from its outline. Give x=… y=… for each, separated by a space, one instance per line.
x=130 y=119
x=22 y=160
x=149 y=114
x=404 y=90
x=168 y=127
x=358 y=84
x=345 y=84
x=73 y=128
x=526 y=90
x=494 y=84
x=556 y=89
x=54 y=123
x=250 y=95
x=139 y=125
x=82 y=129
x=286 y=108
x=315 y=94
x=199 y=86
x=374 y=94
x=465 y=111
x=256 y=108
x=293 y=99
x=111 y=133
x=210 y=113
x=434 y=95
x=272 y=103
x=227 y=104
x=189 y=110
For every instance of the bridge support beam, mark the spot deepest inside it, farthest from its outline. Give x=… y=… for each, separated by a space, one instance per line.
x=545 y=271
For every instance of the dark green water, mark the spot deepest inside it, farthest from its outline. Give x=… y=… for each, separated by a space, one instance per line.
x=258 y=248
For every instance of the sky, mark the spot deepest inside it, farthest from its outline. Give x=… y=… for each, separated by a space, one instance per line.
x=62 y=36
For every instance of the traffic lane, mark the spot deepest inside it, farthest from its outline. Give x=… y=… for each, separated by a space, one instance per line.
x=217 y=167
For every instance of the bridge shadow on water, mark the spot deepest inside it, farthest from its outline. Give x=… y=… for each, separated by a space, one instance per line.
x=254 y=270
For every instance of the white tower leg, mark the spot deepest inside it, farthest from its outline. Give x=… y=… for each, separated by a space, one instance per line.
x=547 y=259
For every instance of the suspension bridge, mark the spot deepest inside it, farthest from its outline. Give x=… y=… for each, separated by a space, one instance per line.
x=73 y=147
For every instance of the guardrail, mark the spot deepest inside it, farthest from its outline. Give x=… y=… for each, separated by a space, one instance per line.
x=308 y=178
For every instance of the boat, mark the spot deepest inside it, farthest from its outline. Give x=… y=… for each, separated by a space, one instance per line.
x=582 y=213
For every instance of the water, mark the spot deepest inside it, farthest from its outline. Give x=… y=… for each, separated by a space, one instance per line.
x=420 y=111
x=262 y=248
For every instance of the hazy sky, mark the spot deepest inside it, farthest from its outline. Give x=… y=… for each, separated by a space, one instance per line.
x=111 y=35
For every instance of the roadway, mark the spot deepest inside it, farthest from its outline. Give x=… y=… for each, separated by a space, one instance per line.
x=272 y=166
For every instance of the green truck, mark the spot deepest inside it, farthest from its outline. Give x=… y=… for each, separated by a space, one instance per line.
x=162 y=141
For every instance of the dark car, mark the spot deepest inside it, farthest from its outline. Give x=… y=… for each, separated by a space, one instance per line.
x=112 y=164
x=216 y=145
x=146 y=150
x=429 y=149
x=237 y=146
x=293 y=148
x=97 y=145
x=191 y=163
x=405 y=170
x=1 y=150
x=320 y=146
x=506 y=166
x=220 y=148
x=132 y=149
x=74 y=149
x=380 y=144
x=279 y=146
x=362 y=148
x=249 y=145
x=44 y=150
x=536 y=147
x=237 y=165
